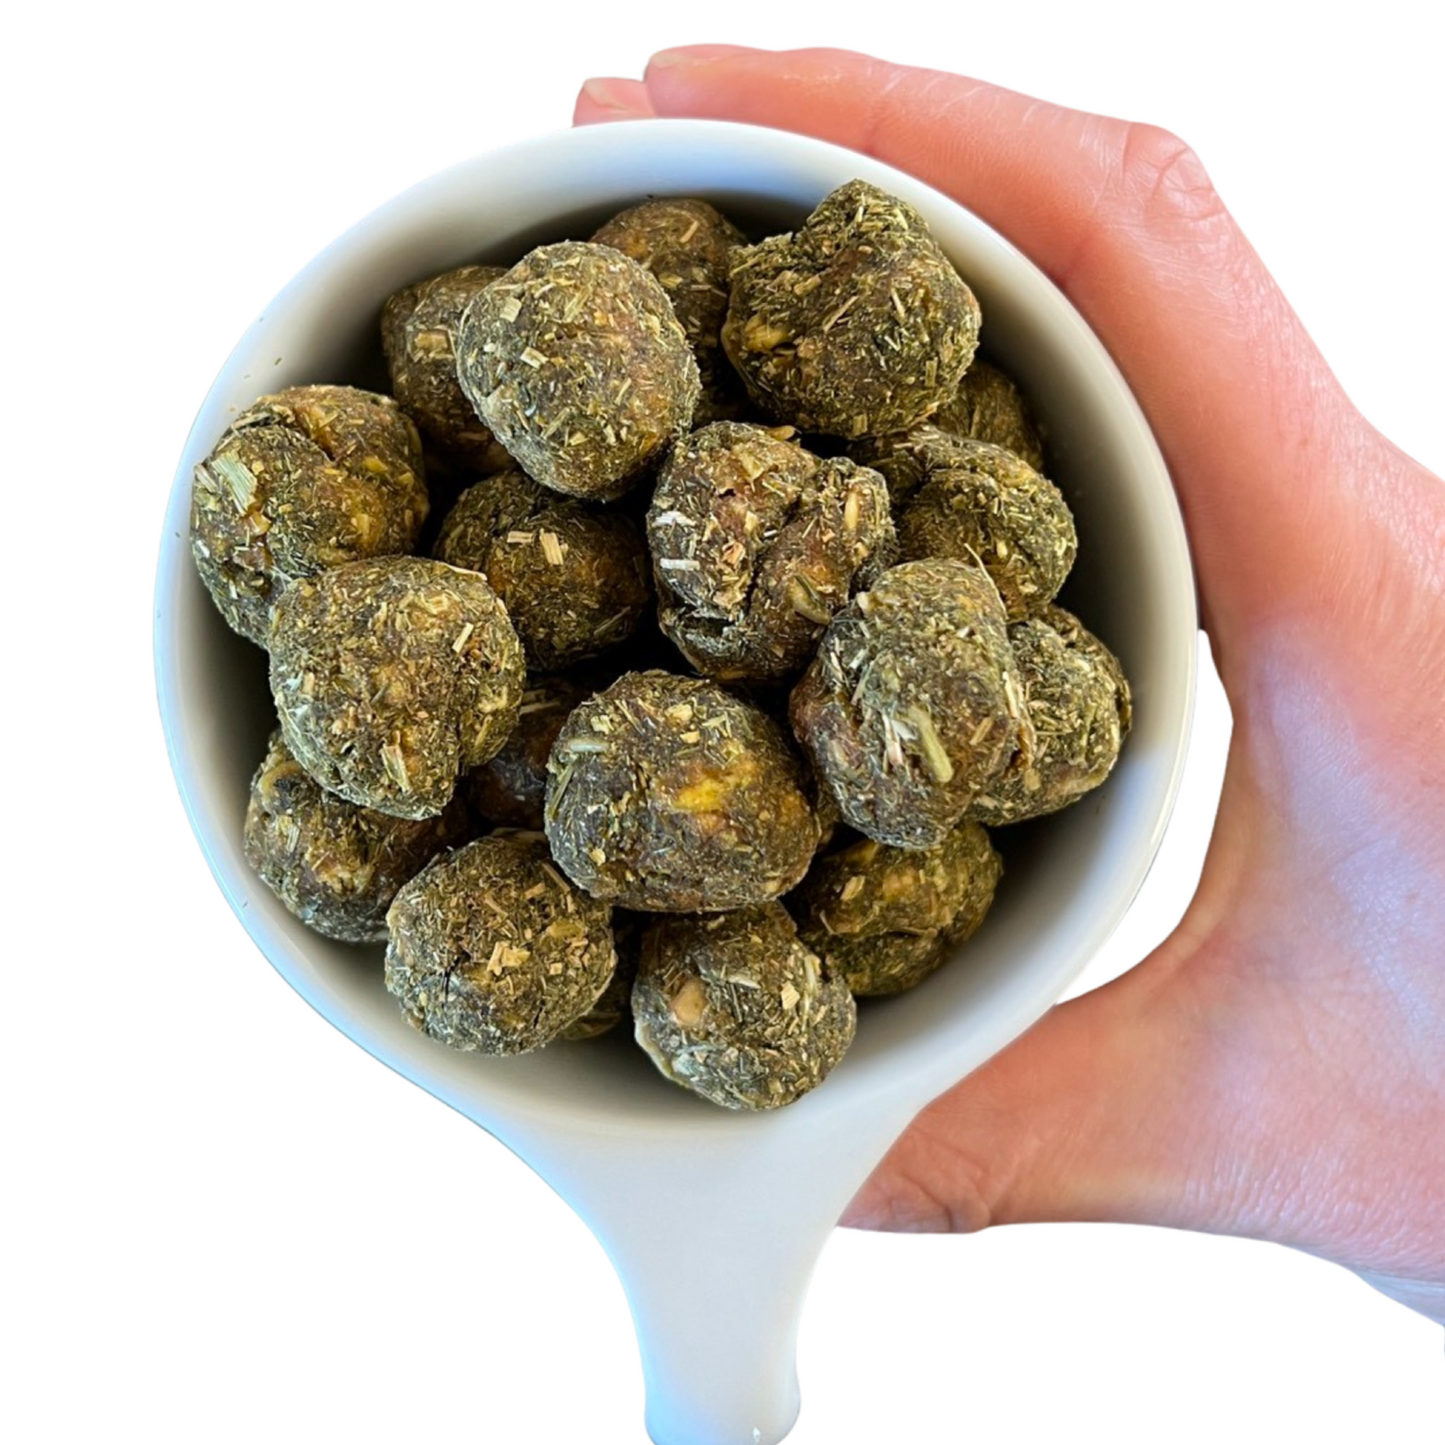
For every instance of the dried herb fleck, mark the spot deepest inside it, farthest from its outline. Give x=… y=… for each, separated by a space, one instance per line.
x=913 y=704
x=577 y=363
x=884 y=918
x=756 y=544
x=334 y=865
x=688 y=246
x=1079 y=710
x=573 y=576
x=669 y=794
x=303 y=480
x=855 y=325
x=736 y=1008
x=419 y=335
x=391 y=677
x=493 y=950
x=980 y=501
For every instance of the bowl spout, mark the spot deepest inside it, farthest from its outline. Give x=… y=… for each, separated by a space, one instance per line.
x=715 y=1240
x=716 y=1304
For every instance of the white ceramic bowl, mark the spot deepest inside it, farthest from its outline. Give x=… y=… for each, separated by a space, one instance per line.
x=660 y=1176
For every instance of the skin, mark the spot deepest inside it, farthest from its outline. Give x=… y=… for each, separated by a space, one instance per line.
x=1276 y=1068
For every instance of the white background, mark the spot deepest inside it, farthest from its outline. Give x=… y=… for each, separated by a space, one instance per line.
x=222 y=1221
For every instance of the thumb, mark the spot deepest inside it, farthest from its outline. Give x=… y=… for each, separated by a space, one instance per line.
x=1090 y=1115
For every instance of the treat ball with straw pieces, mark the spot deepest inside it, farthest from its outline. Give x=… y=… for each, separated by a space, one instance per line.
x=884 y=918
x=913 y=704
x=573 y=576
x=419 y=335
x=979 y=501
x=756 y=543
x=688 y=245
x=1079 y=712
x=577 y=362
x=670 y=794
x=303 y=480
x=988 y=407
x=336 y=866
x=392 y=677
x=736 y=1008
x=856 y=324
x=493 y=950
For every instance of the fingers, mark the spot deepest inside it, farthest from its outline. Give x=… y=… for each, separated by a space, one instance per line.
x=609 y=98
x=1125 y=219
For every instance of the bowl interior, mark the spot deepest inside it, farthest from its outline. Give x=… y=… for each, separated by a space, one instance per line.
x=1068 y=880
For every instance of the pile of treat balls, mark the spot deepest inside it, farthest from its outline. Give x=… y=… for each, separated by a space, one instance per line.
x=665 y=645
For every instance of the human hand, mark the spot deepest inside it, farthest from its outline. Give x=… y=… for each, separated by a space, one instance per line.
x=1276 y=1068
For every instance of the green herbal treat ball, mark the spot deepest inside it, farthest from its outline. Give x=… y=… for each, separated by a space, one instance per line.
x=1079 y=710
x=978 y=500
x=615 y=1005
x=303 y=480
x=688 y=245
x=336 y=866
x=578 y=365
x=989 y=407
x=493 y=950
x=756 y=544
x=883 y=918
x=856 y=324
x=1078 y=637
x=736 y=1008
x=899 y=458
x=419 y=335
x=392 y=677
x=510 y=789
x=913 y=705
x=670 y=795
x=573 y=576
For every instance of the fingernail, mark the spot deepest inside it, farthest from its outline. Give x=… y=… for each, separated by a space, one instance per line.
x=692 y=54
x=610 y=93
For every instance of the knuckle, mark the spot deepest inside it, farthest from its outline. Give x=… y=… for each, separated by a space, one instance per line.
x=1165 y=180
